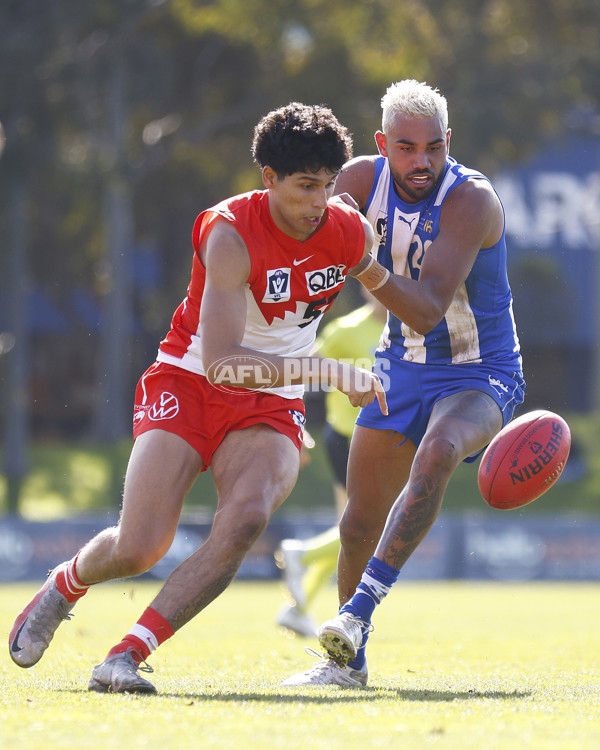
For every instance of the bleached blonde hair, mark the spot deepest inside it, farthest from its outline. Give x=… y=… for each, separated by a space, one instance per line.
x=415 y=99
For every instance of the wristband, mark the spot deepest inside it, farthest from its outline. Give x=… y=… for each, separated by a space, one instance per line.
x=386 y=276
x=374 y=276
x=366 y=268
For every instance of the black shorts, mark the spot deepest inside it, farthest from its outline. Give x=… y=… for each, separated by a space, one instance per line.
x=337 y=447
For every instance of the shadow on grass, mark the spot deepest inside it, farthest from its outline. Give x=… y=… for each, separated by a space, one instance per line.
x=350 y=695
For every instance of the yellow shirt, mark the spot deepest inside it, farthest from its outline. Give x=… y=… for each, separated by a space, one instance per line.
x=353 y=337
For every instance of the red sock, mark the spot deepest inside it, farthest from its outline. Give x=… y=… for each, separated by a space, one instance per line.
x=68 y=582
x=145 y=636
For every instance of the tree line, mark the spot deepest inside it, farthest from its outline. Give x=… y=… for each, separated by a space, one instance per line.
x=123 y=120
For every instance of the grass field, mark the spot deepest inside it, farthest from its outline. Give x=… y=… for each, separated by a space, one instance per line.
x=453 y=665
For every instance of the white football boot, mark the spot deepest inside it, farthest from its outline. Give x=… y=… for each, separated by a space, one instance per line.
x=119 y=674
x=328 y=672
x=35 y=626
x=342 y=636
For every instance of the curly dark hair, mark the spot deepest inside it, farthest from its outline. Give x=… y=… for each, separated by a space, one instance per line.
x=301 y=138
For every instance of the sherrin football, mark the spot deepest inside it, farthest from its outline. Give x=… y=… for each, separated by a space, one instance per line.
x=524 y=459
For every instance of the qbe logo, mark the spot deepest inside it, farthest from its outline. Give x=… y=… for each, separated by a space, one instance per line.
x=278 y=285
x=166 y=407
x=324 y=279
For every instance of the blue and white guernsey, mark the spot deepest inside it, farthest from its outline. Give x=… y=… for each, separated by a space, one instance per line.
x=479 y=326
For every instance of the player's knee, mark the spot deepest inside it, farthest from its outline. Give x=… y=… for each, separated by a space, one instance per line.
x=138 y=562
x=357 y=531
x=438 y=456
x=245 y=526
x=254 y=523
x=135 y=559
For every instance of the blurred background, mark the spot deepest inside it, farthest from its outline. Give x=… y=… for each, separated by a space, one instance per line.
x=121 y=121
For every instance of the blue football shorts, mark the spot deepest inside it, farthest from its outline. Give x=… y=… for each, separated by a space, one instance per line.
x=413 y=389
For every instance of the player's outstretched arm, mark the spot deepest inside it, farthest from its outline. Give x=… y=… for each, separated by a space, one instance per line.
x=472 y=218
x=361 y=386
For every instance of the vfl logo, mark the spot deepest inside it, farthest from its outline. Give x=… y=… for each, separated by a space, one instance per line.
x=278 y=285
x=166 y=407
x=324 y=279
x=381 y=228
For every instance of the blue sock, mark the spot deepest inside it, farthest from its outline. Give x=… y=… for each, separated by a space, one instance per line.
x=374 y=585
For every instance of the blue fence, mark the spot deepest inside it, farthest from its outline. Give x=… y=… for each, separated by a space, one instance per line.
x=504 y=548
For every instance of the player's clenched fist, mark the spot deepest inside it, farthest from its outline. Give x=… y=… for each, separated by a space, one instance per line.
x=361 y=386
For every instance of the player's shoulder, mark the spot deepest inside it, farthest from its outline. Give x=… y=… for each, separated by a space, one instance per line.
x=459 y=176
x=475 y=189
x=474 y=205
x=339 y=209
x=223 y=228
x=220 y=240
x=364 y=163
x=232 y=214
x=356 y=178
x=241 y=200
x=344 y=214
x=243 y=207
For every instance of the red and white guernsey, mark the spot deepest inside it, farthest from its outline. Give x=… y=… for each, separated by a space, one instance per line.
x=291 y=283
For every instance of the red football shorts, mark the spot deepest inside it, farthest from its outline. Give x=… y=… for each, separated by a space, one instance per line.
x=172 y=399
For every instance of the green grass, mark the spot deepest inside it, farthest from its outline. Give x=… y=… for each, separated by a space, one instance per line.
x=453 y=665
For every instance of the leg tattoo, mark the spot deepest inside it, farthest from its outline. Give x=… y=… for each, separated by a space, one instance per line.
x=410 y=519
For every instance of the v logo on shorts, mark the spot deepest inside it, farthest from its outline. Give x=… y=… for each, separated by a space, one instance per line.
x=166 y=407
